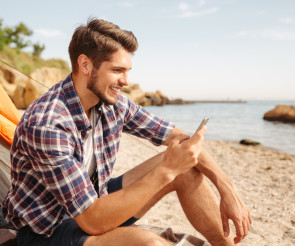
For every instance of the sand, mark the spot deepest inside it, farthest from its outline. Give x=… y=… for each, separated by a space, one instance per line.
x=265 y=179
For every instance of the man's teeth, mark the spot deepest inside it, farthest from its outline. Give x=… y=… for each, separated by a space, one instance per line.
x=115 y=89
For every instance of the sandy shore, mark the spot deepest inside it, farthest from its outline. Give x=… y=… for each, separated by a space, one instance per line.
x=264 y=178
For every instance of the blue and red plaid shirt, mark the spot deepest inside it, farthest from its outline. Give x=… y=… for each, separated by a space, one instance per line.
x=47 y=173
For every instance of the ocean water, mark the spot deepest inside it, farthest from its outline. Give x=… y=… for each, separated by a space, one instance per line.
x=233 y=122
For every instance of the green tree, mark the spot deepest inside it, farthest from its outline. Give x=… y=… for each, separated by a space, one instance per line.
x=17 y=36
x=2 y=36
x=38 y=49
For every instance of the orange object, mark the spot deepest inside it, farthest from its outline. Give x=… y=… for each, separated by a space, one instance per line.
x=9 y=116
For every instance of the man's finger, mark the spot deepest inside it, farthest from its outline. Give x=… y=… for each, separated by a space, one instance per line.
x=225 y=226
x=245 y=227
x=198 y=134
x=239 y=232
x=179 y=139
x=250 y=219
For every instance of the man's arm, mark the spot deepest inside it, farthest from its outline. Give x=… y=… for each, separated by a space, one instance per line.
x=231 y=205
x=112 y=210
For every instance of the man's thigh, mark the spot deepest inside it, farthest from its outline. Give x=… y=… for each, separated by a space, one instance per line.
x=141 y=170
x=129 y=236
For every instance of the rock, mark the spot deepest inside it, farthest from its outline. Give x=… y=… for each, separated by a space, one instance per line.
x=283 y=113
x=13 y=76
x=47 y=77
x=249 y=142
x=9 y=88
x=10 y=78
x=133 y=92
x=156 y=98
x=18 y=97
x=136 y=94
x=23 y=90
x=179 y=101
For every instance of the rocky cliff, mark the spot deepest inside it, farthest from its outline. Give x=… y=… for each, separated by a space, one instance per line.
x=136 y=94
x=24 y=90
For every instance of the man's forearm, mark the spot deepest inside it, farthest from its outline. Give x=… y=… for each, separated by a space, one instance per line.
x=110 y=211
x=208 y=166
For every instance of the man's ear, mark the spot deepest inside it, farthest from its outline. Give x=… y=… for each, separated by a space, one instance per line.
x=85 y=64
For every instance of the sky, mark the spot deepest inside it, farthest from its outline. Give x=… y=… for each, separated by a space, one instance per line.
x=190 y=49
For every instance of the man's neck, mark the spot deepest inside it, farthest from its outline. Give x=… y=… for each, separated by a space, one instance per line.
x=87 y=98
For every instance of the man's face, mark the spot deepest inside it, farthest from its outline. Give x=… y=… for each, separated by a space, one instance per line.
x=108 y=80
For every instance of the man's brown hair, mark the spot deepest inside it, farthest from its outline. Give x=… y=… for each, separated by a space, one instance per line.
x=99 y=40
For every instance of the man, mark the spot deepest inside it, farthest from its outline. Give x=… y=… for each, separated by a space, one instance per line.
x=65 y=147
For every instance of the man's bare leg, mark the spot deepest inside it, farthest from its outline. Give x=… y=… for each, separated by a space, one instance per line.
x=200 y=204
x=197 y=198
x=127 y=236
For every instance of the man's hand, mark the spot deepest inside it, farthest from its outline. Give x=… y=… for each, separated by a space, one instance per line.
x=182 y=152
x=232 y=207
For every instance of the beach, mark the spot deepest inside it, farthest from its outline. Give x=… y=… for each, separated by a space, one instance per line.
x=263 y=177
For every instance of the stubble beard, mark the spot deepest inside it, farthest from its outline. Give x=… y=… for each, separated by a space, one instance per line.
x=95 y=89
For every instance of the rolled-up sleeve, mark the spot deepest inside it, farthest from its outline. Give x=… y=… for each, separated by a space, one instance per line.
x=141 y=123
x=51 y=153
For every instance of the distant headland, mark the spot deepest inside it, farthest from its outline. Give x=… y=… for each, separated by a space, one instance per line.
x=136 y=94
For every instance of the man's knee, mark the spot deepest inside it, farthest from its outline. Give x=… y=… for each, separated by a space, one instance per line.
x=192 y=177
x=147 y=238
x=155 y=240
x=130 y=236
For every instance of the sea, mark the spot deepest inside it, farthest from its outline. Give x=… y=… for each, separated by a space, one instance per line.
x=233 y=122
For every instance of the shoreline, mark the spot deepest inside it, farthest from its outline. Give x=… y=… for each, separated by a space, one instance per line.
x=264 y=178
x=220 y=101
x=237 y=143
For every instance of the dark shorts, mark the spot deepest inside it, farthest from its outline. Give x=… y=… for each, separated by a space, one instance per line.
x=68 y=233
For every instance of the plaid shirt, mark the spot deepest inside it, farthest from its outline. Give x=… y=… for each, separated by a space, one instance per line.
x=48 y=177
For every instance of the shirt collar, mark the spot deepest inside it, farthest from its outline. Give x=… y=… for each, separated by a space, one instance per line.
x=74 y=104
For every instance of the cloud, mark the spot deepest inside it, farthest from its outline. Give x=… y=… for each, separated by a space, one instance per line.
x=202 y=2
x=188 y=13
x=196 y=10
x=287 y=20
x=183 y=6
x=49 y=33
x=278 y=35
x=247 y=33
x=127 y=4
x=269 y=33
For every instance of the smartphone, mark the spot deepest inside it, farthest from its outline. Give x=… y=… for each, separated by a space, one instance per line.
x=204 y=122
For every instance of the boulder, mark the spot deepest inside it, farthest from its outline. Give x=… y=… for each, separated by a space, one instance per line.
x=12 y=76
x=9 y=88
x=47 y=77
x=155 y=98
x=137 y=95
x=249 y=142
x=18 y=97
x=283 y=113
x=134 y=93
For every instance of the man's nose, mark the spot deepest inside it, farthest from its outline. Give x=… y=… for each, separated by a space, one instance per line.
x=124 y=80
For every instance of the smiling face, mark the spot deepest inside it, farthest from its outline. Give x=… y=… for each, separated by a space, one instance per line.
x=108 y=80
